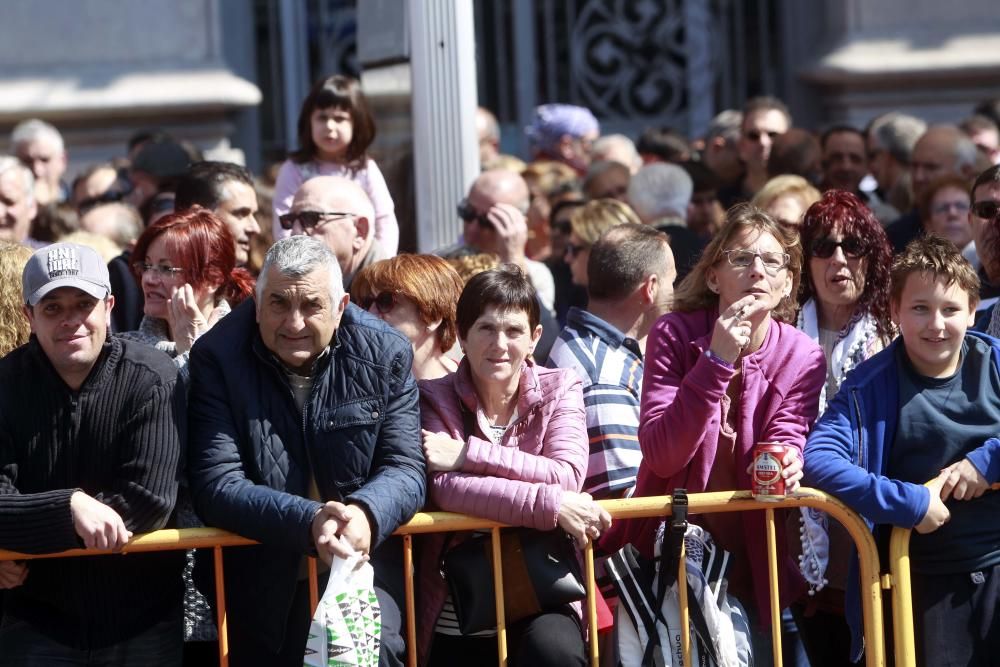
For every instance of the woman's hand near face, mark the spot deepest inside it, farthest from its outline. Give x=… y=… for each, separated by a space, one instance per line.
x=186 y=320
x=443 y=453
x=733 y=328
x=581 y=517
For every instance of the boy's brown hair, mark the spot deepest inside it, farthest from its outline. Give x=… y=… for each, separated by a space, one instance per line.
x=935 y=255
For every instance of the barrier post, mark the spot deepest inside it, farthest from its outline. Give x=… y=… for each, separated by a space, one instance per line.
x=220 y=606
x=498 y=588
x=591 y=586
x=411 y=619
x=772 y=580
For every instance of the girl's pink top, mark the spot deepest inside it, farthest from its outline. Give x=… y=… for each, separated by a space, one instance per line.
x=292 y=175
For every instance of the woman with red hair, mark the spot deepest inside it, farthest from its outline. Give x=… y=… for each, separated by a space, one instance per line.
x=186 y=267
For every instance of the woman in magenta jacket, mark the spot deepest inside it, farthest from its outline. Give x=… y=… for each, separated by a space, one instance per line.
x=523 y=464
x=724 y=371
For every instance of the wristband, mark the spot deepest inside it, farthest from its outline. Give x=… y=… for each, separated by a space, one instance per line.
x=719 y=360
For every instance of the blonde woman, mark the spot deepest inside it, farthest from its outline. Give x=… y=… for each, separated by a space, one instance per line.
x=786 y=198
x=14 y=328
x=587 y=224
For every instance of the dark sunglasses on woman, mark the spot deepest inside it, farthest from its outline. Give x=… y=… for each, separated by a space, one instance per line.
x=384 y=302
x=986 y=209
x=853 y=248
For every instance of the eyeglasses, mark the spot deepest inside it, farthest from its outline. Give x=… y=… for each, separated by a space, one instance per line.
x=310 y=219
x=384 y=302
x=852 y=247
x=572 y=250
x=755 y=135
x=946 y=207
x=163 y=272
x=772 y=261
x=468 y=213
x=986 y=209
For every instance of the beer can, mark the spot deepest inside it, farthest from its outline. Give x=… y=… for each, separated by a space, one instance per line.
x=766 y=482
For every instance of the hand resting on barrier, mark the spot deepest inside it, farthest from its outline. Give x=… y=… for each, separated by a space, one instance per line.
x=937 y=514
x=99 y=526
x=581 y=517
x=962 y=481
x=12 y=573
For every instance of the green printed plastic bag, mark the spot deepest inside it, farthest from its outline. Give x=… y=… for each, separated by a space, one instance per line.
x=346 y=627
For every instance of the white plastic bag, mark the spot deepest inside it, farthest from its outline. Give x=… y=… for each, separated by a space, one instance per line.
x=347 y=625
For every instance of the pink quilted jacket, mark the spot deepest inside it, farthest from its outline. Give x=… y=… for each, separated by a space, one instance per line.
x=519 y=482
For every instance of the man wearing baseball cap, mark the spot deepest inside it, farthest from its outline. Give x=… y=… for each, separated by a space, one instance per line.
x=90 y=436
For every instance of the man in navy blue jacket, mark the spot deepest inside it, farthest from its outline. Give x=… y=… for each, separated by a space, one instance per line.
x=926 y=408
x=305 y=437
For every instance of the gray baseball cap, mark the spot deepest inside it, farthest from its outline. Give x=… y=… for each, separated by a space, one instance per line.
x=65 y=265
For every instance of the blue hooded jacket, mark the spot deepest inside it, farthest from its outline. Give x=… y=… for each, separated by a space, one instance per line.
x=849 y=448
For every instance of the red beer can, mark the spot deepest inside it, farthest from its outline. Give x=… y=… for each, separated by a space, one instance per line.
x=766 y=482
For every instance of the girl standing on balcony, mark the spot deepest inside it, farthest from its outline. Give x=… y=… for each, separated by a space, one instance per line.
x=336 y=127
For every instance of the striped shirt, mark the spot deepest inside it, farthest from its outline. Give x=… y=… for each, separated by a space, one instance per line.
x=610 y=366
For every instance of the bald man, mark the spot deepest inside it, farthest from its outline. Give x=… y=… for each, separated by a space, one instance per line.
x=493 y=222
x=339 y=213
x=941 y=150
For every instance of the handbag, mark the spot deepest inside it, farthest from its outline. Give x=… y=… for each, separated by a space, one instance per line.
x=540 y=571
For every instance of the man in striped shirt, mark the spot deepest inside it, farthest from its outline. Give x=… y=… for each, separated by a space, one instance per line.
x=631 y=275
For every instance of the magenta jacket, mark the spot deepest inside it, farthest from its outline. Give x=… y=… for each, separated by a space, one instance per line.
x=520 y=482
x=681 y=409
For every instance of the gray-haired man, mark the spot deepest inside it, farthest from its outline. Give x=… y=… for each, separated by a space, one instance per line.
x=304 y=430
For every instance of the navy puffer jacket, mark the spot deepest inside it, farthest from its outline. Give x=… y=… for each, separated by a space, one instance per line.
x=251 y=450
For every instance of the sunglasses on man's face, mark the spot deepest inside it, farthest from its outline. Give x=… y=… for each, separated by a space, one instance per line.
x=853 y=248
x=468 y=213
x=987 y=209
x=384 y=302
x=310 y=219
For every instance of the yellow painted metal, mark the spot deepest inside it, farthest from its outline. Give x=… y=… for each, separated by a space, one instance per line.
x=591 y=586
x=682 y=592
x=411 y=618
x=498 y=588
x=313 y=586
x=772 y=582
x=220 y=606
x=434 y=522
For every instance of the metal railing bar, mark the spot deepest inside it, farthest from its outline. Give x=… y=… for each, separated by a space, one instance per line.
x=772 y=583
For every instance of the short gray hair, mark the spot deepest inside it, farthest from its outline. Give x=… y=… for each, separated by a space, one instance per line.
x=726 y=124
x=897 y=133
x=297 y=256
x=9 y=162
x=32 y=129
x=658 y=190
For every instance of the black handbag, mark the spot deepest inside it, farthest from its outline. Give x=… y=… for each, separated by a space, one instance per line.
x=540 y=572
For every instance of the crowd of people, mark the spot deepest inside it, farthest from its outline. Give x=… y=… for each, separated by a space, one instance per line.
x=185 y=344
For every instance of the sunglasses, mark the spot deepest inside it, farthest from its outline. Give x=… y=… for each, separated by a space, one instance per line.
x=384 y=302
x=468 y=213
x=853 y=248
x=311 y=219
x=987 y=209
x=573 y=250
x=754 y=135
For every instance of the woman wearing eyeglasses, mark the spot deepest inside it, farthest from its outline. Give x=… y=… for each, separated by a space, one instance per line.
x=416 y=294
x=944 y=206
x=724 y=371
x=845 y=309
x=185 y=264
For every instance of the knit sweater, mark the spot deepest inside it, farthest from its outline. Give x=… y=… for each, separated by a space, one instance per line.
x=117 y=439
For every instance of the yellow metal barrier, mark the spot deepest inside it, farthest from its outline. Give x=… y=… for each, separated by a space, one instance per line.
x=904 y=646
x=633 y=508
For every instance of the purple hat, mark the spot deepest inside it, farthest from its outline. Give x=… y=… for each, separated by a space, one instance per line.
x=552 y=121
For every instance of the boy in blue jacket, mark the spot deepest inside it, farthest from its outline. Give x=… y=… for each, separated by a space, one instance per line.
x=926 y=408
